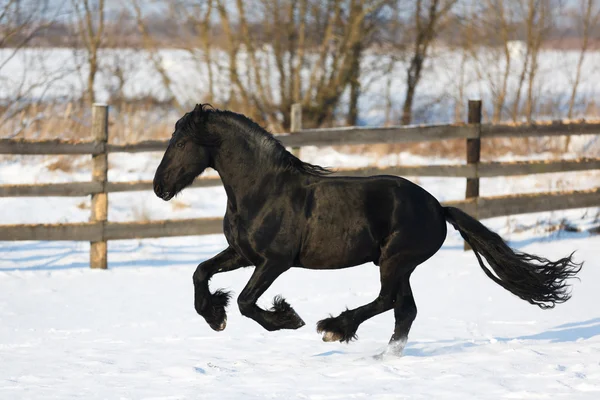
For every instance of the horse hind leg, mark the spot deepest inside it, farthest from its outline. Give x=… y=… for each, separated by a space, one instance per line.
x=343 y=327
x=405 y=312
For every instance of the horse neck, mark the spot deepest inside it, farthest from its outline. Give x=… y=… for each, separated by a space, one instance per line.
x=244 y=163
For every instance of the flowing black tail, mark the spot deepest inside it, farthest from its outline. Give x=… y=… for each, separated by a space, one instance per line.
x=532 y=278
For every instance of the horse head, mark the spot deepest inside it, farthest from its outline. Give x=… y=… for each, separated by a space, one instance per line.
x=189 y=153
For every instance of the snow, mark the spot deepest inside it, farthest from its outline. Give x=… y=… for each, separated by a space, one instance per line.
x=131 y=332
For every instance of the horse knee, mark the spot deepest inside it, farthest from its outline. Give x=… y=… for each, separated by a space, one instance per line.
x=200 y=275
x=385 y=301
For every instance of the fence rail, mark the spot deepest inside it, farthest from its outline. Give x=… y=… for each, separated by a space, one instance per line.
x=321 y=137
x=481 y=170
x=99 y=230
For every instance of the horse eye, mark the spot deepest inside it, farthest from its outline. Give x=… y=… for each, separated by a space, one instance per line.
x=180 y=145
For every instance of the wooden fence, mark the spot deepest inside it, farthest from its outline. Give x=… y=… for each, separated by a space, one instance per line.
x=99 y=230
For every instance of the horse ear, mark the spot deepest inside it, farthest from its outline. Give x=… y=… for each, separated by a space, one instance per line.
x=198 y=112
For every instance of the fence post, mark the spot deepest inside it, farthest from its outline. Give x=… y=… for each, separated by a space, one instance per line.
x=474 y=154
x=98 y=251
x=296 y=124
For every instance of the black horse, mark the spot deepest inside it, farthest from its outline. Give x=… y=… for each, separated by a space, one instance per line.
x=284 y=213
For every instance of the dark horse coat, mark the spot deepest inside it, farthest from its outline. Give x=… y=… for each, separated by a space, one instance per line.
x=284 y=213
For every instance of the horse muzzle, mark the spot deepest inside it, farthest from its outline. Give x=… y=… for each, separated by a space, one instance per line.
x=163 y=194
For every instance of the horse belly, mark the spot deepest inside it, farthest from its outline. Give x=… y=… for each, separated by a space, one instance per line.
x=335 y=247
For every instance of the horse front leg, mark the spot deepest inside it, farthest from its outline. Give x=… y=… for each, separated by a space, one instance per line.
x=211 y=306
x=281 y=315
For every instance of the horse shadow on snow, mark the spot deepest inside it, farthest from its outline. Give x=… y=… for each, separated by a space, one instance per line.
x=570 y=332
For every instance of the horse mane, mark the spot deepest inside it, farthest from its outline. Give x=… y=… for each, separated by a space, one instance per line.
x=266 y=140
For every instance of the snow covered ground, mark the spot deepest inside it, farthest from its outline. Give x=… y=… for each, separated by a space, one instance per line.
x=132 y=333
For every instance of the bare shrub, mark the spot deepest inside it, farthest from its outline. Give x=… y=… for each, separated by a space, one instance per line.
x=62 y=163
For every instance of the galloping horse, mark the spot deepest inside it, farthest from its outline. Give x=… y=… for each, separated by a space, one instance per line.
x=284 y=213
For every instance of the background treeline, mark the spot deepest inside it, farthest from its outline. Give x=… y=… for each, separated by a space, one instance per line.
x=344 y=60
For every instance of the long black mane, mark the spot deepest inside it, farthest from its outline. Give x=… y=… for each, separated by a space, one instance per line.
x=196 y=120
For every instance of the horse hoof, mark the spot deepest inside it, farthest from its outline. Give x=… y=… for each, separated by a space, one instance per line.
x=223 y=324
x=220 y=326
x=296 y=322
x=332 y=337
x=395 y=347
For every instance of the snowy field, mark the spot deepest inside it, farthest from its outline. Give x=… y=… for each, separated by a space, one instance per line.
x=132 y=333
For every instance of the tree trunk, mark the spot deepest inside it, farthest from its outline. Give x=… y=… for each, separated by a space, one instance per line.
x=412 y=79
x=352 y=118
x=93 y=61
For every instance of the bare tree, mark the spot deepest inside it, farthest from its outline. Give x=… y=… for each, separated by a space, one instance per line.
x=540 y=32
x=304 y=51
x=90 y=29
x=537 y=23
x=427 y=17
x=20 y=24
x=151 y=46
x=499 y=8
x=587 y=19
x=494 y=26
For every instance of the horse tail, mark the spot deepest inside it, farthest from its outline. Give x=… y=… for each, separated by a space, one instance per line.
x=532 y=278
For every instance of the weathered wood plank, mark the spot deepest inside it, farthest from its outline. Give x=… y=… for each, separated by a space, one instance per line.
x=474 y=147
x=533 y=130
x=99 y=206
x=155 y=229
x=140 y=147
x=75 y=231
x=495 y=169
x=490 y=207
x=296 y=124
x=48 y=147
x=473 y=155
x=361 y=135
x=456 y=170
x=499 y=206
x=71 y=189
x=113 y=230
x=77 y=189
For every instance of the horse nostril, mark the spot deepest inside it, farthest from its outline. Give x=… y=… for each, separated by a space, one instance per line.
x=158 y=189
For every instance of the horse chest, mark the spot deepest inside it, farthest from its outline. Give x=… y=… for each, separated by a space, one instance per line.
x=258 y=239
x=236 y=232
